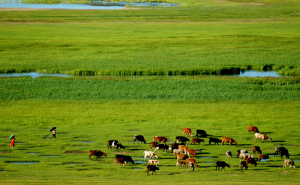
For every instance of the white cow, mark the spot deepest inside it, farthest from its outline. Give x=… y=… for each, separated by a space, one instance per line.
x=261 y=136
x=153 y=162
x=150 y=154
x=290 y=162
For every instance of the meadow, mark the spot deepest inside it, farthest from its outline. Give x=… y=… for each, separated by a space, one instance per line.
x=138 y=72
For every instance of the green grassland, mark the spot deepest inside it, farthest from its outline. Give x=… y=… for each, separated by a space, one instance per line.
x=199 y=37
x=185 y=40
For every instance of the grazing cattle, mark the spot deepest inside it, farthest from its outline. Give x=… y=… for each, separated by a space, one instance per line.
x=150 y=154
x=228 y=140
x=190 y=160
x=191 y=166
x=180 y=163
x=290 y=162
x=110 y=142
x=239 y=152
x=183 y=148
x=139 y=138
x=162 y=147
x=177 y=151
x=153 y=162
x=188 y=131
x=152 y=168
x=221 y=164
x=96 y=153
x=153 y=144
x=262 y=156
x=175 y=145
x=192 y=152
x=117 y=145
x=119 y=160
x=243 y=164
x=283 y=151
x=215 y=140
x=160 y=139
x=251 y=161
x=246 y=155
x=196 y=140
x=261 y=136
x=252 y=129
x=257 y=149
x=228 y=154
x=182 y=139
x=201 y=133
x=182 y=156
x=126 y=159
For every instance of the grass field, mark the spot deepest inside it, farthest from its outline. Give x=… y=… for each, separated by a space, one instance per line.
x=199 y=37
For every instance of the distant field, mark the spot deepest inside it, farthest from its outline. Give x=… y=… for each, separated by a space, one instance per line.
x=187 y=40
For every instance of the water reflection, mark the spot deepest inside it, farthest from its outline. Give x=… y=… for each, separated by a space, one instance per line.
x=32 y=75
x=252 y=73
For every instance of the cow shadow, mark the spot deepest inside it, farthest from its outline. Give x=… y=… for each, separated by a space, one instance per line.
x=278 y=141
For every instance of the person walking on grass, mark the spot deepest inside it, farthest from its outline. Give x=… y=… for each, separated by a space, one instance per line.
x=12 y=142
x=54 y=134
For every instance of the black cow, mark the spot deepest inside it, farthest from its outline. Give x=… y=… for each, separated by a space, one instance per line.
x=215 y=140
x=139 y=138
x=126 y=158
x=182 y=139
x=163 y=147
x=221 y=164
x=201 y=133
x=152 y=168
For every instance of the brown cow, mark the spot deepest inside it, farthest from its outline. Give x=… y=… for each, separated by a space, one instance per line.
x=153 y=144
x=188 y=160
x=256 y=149
x=180 y=163
x=96 y=153
x=161 y=139
x=152 y=168
x=197 y=140
x=252 y=129
x=119 y=160
x=192 y=152
x=182 y=156
x=228 y=140
x=262 y=156
x=188 y=131
x=183 y=148
x=251 y=161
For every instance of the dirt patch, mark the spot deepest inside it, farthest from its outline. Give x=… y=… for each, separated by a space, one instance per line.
x=75 y=152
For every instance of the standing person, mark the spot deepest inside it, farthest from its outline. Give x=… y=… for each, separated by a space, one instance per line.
x=54 y=134
x=12 y=142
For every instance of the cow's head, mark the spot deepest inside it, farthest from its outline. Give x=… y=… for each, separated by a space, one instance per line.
x=104 y=154
x=155 y=155
x=234 y=142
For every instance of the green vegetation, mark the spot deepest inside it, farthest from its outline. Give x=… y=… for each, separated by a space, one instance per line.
x=136 y=49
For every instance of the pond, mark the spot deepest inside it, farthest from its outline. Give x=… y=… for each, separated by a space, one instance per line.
x=19 y=4
x=252 y=73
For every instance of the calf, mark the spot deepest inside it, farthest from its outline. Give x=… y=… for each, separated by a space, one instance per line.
x=221 y=164
x=180 y=163
x=215 y=140
x=252 y=129
x=261 y=136
x=152 y=168
x=139 y=138
x=201 y=133
x=182 y=156
x=189 y=160
x=182 y=139
x=290 y=162
x=153 y=162
x=163 y=147
x=243 y=164
x=228 y=140
x=192 y=152
x=160 y=139
x=251 y=161
x=188 y=131
x=119 y=160
x=150 y=154
x=196 y=140
x=96 y=153
x=262 y=156
x=285 y=152
x=177 y=151
x=126 y=159
x=183 y=148
x=228 y=154
x=257 y=149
